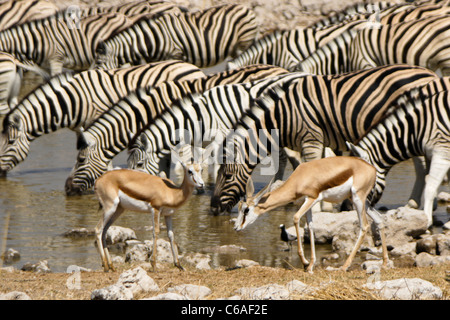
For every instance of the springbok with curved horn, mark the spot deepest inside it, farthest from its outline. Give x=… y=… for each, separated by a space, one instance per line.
x=331 y=179
x=122 y=189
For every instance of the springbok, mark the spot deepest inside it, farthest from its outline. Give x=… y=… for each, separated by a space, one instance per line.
x=122 y=189
x=331 y=179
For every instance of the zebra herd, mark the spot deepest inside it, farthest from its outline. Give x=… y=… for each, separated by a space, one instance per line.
x=371 y=79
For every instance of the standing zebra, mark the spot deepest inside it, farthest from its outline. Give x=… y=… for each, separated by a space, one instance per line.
x=132 y=8
x=112 y=132
x=289 y=48
x=205 y=118
x=73 y=101
x=419 y=126
x=11 y=72
x=203 y=38
x=309 y=114
x=13 y=12
x=423 y=42
x=60 y=41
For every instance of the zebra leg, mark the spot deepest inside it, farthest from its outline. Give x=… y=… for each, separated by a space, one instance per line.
x=416 y=194
x=440 y=164
x=281 y=164
x=378 y=219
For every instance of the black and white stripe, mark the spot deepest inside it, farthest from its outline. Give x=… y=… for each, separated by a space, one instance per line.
x=11 y=73
x=203 y=38
x=112 y=132
x=73 y=101
x=129 y=8
x=289 y=48
x=309 y=114
x=204 y=118
x=423 y=42
x=418 y=126
x=13 y=12
x=58 y=41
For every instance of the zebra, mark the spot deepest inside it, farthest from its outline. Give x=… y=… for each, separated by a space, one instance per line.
x=422 y=42
x=418 y=126
x=112 y=132
x=203 y=38
x=290 y=47
x=11 y=73
x=205 y=118
x=58 y=41
x=13 y=12
x=74 y=100
x=309 y=114
x=132 y=8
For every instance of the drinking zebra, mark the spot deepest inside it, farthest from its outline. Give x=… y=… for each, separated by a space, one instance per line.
x=203 y=38
x=198 y=119
x=309 y=114
x=74 y=100
x=113 y=131
x=418 y=126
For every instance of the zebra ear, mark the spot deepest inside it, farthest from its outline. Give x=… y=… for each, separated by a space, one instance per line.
x=144 y=141
x=16 y=123
x=358 y=151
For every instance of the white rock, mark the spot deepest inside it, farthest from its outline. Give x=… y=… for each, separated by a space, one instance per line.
x=167 y=296
x=267 y=292
x=199 y=260
x=296 y=286
x=116 y=234
x=15 y=295
x=443 y=196
x=245 y=263
x=112 y=292
x=40 y=267
x=424 y=259
x=11 y=255
x=406 y=289
x=191 y=291
x=137 y=280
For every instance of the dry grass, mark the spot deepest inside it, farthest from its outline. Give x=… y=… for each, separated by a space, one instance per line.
x=331 y=285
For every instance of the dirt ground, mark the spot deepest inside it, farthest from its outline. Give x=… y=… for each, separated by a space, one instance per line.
x=333 y=285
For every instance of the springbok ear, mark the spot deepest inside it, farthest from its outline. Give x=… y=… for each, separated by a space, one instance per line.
x=263 y=191
x=250 y=188
x=358 y=151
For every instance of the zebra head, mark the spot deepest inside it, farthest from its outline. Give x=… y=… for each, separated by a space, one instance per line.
x=14 y=144
x=91 y=164
x=104 y=57
x=142 y=156
x=229 y=188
